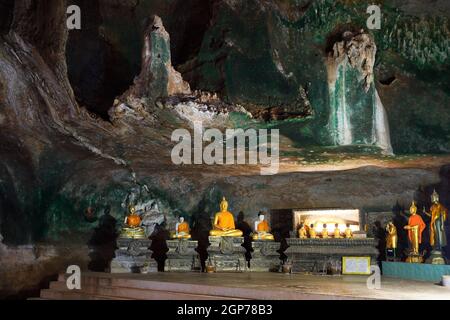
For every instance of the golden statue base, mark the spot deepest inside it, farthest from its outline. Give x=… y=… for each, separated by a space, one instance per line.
x=133 y=233
x=414 y=258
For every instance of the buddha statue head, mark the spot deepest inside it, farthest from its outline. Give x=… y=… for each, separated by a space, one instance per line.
x=224 y=205
x=132 y=210
x=181 y=219
x=261 y=216
x=413 y=208
x=435 y=197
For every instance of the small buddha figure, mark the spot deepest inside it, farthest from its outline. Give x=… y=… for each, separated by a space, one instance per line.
x=302 y=232
x=182 y=230
x=312 y=232
x=262 y=229
x=415 y=227
x=348 y=233
x=223 y=225
x=337 y=232
x=132 y=228
x=391 y=237
x=325 y=231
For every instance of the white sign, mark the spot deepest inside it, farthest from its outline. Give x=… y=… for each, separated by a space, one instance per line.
x=356 y=265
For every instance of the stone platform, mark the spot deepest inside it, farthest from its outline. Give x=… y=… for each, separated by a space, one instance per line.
x=227 y=254
x=133 y=256
x=309 y=255
x=265 y=257
x=182 y=256
x=227 y=286
x=415 y=271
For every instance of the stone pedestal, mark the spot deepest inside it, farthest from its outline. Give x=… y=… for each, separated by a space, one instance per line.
x=133 y=256
x=227 y=254
x=309 y=255
x=182 y=256
x=436 y=257
x=265 y=257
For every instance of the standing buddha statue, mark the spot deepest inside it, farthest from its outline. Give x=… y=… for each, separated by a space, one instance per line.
x=223 y=225
x=415 y=228
x=438 y=216
x=391 y=238
x=438 y=238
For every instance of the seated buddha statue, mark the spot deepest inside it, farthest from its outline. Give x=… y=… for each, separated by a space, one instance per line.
x=312 y=232
x=223 y=225
x=262 y=229
x=302 y=232
x=337 y=231
x=182 y=230
x=132 y=228
x=325 y=232
x=348 y=233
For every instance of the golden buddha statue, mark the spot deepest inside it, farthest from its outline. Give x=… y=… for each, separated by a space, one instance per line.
x=348 y=233
x=182 y=230
x=415 y=228
x=312 y=232
x=223 y=225
x=337 y=232
x=438 y=214
x=132 y=228
x=262 y=229
x=303 y=232
x=325 y=232
x=391 y=238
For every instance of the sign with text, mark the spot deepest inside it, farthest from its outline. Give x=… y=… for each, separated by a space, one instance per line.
x=356 y=265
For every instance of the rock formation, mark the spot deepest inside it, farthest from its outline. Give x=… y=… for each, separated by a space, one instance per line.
x=158 y=78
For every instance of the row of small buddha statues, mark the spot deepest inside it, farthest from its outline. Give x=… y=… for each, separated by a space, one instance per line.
x=415 y=227
x=306 y=232
x=223 y=226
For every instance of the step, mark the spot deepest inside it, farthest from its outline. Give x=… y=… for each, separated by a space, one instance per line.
x=133 y=293
x=210 y=291
x=51 y=294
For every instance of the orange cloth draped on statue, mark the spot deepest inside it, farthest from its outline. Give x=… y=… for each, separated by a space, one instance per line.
x=415 y=220
x=183 y=227
x=226 y=221
x=263 y=226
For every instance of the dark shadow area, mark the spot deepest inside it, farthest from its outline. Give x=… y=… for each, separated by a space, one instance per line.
x=201 y=225
x=98 y=71
x=159 y=245
x=388 y=81
x=242 y=225
x=379 y=233
x=400 y=221
x=6 y=15
x=102 y=244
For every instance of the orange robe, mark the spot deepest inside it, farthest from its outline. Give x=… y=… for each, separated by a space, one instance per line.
x=415 y=220
x=183 y=227
x=263 y=226
x=226 y=221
